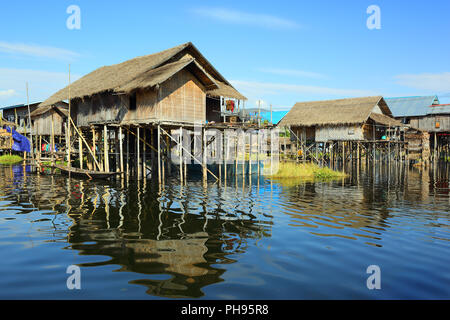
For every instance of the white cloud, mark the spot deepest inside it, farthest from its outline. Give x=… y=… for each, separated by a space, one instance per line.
x=433 y=82
x=245 y=18
x=267 y=88
x=7 y=93
x=294 y=73
x=42 y=84
x=38 y=51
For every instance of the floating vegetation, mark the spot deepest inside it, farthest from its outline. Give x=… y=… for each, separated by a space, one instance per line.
x=291 y=170
x=10 y=159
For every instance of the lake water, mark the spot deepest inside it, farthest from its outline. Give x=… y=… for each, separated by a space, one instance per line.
x=264 y=240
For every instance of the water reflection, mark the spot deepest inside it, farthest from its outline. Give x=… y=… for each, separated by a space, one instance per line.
x=178 y=240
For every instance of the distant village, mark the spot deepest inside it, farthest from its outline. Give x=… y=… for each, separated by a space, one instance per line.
x=121 y=119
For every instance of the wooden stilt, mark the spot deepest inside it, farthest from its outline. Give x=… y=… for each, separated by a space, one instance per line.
x=80 y=152
x=144 y=154
x=106 y=149
x=180 y=154
x=121 y=151
x=138 y=154
x=159 y=154
x=204 y=159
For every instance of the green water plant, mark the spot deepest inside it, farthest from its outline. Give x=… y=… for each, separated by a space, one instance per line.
x=10 y=159
x=304 y=170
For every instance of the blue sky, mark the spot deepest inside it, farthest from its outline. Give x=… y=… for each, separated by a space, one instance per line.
x=280 y=52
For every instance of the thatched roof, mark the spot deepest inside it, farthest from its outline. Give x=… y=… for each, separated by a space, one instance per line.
x=63 y=111
x=137 y=72
x=333 y=112
x=385 y=120
x=159 y=75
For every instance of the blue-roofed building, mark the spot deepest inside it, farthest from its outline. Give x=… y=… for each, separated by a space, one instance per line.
x=18 y=114
x=405 y=107
x=427 y=115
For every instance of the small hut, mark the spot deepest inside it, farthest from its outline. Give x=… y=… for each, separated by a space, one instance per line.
x=50 y=120
x=355 y=119
x=349 y=122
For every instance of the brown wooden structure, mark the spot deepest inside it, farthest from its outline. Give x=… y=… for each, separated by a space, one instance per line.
x=122 y=118
x=344 y=129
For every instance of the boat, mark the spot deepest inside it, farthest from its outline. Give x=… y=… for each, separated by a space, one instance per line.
x=91 y=174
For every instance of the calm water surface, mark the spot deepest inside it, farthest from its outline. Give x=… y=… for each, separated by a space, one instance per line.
x=266 y=240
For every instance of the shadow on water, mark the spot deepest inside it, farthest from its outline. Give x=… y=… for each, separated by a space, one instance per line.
x=179 y=240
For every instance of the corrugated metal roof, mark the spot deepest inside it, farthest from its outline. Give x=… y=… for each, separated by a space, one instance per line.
x=410 y=106
x=18 y=106
x=439 y=109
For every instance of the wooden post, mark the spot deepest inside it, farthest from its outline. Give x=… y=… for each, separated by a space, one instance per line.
x=168 y=156
x=144 y=156
x=128 y=154
x=159 y=154
x=204 y=159
x=80 y=151
x=106 y=149
x=121 y=151
x=180 y=154
x=138 y=155
x=53 y=141
x=225 y=164
x=250 y=151
x=258 y=139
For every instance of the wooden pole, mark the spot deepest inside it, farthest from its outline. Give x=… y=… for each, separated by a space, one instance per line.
x=144 y=161
x=128 y=154
x=80 y=152
x=121 y=151
x=68 y=127
x=250 y=151
x=180 y=154
x=138 y=154
x=204 y=159
x=159 y=154
x=106 y=149
x=53 y=141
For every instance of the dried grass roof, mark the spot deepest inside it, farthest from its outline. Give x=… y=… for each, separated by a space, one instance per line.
x=385 y=120
x=333 y=112
x=138 y=71
x=64 y=111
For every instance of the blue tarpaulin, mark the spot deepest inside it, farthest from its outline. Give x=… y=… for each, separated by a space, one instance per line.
x=21 y=143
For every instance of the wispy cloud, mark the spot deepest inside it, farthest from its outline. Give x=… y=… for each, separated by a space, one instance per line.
x=37 y=51
x=7 y=93
x=293 y=73
x=267 y=88
x=246 y=18
x=42 y=84
x=433 y=82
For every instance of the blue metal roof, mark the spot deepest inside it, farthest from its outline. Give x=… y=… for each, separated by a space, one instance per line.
x=411 y=106
x=439 y=109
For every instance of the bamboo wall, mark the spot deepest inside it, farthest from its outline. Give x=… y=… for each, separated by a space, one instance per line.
x=181 y=99
x=43 y=124
x=428 y=123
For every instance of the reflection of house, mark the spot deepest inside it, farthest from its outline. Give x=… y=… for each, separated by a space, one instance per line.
x=180 y=256
x=355 y=119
